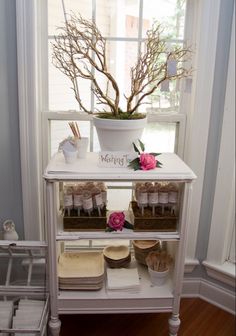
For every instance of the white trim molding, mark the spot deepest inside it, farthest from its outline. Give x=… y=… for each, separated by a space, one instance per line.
x=29 y=118
x=224 y=272
x=198 y=121
x=210 y=292
x=223 y=215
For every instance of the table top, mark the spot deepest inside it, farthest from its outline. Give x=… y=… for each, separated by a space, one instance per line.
x=173 y=168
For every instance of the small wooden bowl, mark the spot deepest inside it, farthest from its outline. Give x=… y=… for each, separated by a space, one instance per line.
x=117 y=256
x=116 y=252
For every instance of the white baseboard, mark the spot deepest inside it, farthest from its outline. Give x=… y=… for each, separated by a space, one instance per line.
x=210 y=292
x=190 y=264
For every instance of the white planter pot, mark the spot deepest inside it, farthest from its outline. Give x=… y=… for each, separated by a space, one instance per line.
x=158 y=278
x=82 y=146
x=70 y=156
x=118 y=135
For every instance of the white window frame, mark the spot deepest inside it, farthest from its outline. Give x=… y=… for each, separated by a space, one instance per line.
x=232 y=254
x=29 y=94
x=198 y=123
x=204 y=15
x=222 y=229
x=171 y=117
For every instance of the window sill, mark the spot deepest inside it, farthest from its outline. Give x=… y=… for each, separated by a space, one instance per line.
x=224 y=273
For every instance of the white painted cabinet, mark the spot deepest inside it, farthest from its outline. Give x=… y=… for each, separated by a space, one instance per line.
x=150 y=298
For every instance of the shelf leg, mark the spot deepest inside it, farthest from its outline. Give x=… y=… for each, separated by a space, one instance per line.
x=174 y=323
x=54 y=322
x=54 y=325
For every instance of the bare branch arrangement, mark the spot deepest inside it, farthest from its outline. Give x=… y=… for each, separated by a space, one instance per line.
x=79 y=51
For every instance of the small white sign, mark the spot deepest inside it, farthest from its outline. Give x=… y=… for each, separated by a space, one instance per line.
x=172 y=67
x=115 y=159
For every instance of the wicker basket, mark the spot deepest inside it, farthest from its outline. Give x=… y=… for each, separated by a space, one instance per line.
x=160 y=222
x=143 y=247
x=84 y=222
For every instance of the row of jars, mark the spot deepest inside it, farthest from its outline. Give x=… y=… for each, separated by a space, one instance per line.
x=85 y=196
x=149 y=193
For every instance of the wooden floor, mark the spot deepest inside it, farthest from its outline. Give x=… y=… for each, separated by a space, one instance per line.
x=198 y=318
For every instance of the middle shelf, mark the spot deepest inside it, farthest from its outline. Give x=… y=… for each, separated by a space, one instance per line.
x=124 y=234
x=89 y=209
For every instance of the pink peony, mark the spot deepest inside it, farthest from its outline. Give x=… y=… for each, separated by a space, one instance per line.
x=147 y=161
x=116 y=220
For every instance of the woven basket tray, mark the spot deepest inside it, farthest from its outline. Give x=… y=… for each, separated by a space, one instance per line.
x=84 y=222
x=143 y=247
x=148 y=222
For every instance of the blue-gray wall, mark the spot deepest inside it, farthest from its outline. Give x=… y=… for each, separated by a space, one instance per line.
x=10 y=169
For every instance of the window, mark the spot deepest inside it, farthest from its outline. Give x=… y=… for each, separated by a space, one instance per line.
x=123 y=23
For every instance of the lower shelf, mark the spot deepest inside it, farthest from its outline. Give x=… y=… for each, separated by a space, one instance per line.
x=148 y=299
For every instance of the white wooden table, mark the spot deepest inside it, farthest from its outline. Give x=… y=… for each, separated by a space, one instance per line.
x=150 y=299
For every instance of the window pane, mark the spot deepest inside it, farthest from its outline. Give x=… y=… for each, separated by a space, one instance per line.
x=170 y=13
x=56 y=15
x=160 y=137
x=164 y=101
x=157 y=137
x=117 y=18
x=61 y=130
x=61 y=95
x=121 y=56
x=166 y=97
x=96 y=145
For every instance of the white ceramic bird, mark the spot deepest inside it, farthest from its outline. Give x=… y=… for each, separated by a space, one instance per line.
x=9 y=231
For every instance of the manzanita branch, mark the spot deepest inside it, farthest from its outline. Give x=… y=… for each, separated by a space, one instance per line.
x=79 y=51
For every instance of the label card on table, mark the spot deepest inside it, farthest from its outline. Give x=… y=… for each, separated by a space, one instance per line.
x=115 y=159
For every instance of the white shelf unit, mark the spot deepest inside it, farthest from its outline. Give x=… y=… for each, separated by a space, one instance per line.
x=150 y=298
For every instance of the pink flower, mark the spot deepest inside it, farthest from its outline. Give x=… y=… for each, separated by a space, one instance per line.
x=147 y=161
x=116 y=220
